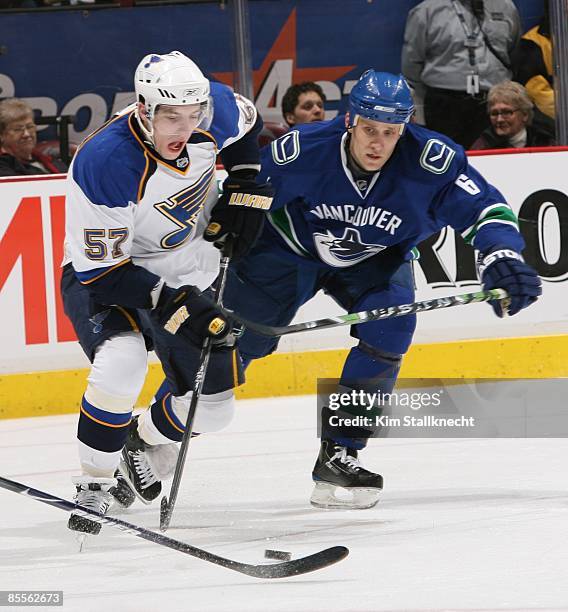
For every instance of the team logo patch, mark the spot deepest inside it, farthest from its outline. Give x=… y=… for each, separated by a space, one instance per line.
x=153 y=60
x=182 y=209
x=249 y=112
x=182 y=162
x=287 y=148
x=98 y=320
x=346 y=250
x=436 y=156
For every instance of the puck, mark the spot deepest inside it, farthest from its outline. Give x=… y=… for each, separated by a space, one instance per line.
x=279 y=555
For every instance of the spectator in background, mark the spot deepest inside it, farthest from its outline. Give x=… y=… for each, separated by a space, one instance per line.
x=453 y=52
x=511 y=114
x=18 y=137
x=303 y=103
x=533 y=65
x=19 y=151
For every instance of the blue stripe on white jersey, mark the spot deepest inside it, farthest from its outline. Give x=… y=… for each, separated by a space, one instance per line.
x=225 y=114
x=109 y=165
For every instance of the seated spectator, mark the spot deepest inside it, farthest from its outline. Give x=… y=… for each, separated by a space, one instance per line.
x=303 y=103
x=18 y=140
x=511 y=115
x=453 y=52
x=533 y=65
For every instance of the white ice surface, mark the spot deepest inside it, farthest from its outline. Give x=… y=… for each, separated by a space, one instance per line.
x=461 y=525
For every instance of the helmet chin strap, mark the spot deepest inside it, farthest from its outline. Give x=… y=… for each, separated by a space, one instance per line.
x=357 y=171
x=148 y=134
x=352 y=122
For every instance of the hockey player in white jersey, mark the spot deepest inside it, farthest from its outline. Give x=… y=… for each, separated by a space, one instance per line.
x=140 y=193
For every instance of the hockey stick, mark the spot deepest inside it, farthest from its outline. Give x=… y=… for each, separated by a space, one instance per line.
x=354 y=318
x=167 y=504
x=311 y=563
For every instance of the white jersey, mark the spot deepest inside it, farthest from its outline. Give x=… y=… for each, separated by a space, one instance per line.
x=125 y=203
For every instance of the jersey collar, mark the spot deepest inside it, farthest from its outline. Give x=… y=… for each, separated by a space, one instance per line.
x=180 y=164
x=361 y=181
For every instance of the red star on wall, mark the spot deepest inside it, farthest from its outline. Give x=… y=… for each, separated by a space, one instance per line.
x=284 y=47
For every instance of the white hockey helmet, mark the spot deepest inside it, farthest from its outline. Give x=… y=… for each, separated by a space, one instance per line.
x=171 y=79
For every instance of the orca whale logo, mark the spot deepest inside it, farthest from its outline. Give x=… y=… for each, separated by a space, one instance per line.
x=345 y=250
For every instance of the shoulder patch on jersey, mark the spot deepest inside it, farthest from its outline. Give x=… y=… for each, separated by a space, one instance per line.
x=249 y=112
x=436 y=156
x=287 y=148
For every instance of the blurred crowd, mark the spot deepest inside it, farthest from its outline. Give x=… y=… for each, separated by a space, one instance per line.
x=475 y=77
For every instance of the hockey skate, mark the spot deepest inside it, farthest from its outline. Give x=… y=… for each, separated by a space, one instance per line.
x=92 y=493
x=123 y=494
x=341 y=481
x=143 y=466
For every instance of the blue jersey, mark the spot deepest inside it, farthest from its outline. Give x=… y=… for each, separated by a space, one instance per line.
x=323 y=213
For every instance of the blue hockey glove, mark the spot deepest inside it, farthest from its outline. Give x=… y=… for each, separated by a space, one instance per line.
x=505 y=269
x=186 y=312
x=240 y=212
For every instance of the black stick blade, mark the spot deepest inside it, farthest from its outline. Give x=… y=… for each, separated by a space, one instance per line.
x=311 y=563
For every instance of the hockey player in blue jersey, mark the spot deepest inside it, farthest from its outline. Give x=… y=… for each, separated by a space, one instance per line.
x=141 y=192
x=353 y=197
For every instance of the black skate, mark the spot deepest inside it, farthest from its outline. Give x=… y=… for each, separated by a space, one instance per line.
x=144 y=466
x=338 y=467
x=123 y=494
x=92 y=493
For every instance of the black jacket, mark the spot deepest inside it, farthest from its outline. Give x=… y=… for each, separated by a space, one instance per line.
x=10 y=166
x=535 y=138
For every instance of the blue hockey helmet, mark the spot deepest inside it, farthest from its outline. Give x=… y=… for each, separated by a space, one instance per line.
x=381 y=96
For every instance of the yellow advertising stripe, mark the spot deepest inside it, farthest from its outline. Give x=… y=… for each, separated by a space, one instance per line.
x=60 y=392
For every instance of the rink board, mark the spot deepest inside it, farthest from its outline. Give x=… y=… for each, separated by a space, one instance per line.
x=42 y=368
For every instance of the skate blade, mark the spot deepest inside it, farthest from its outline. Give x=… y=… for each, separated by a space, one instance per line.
x=325 y=495
x=124 y=471
x=116 y=508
